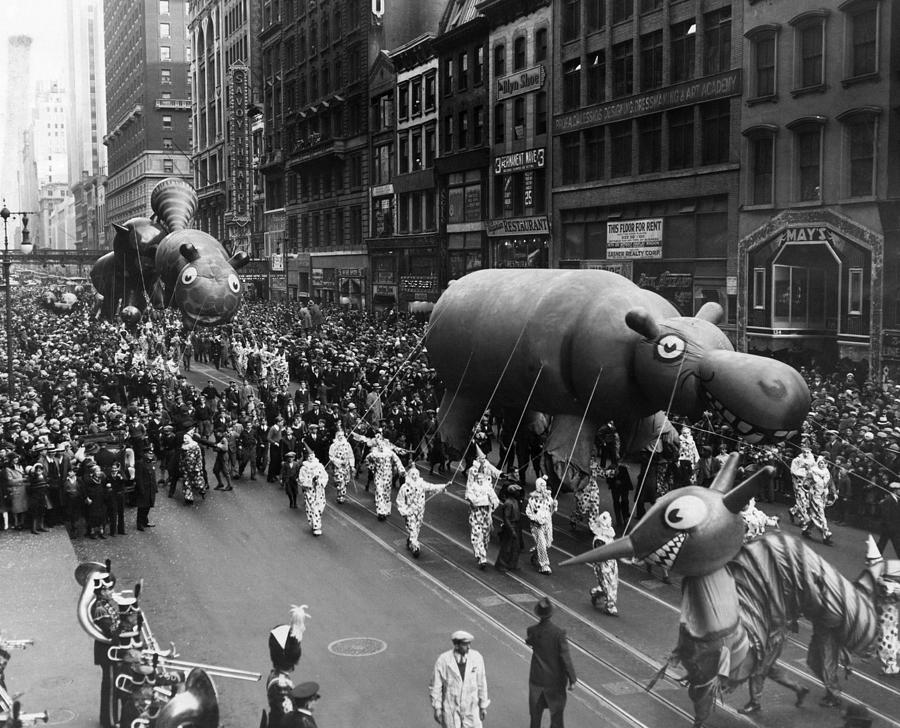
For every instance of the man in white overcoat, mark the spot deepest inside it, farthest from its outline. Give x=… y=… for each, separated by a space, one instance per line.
x=459 y=693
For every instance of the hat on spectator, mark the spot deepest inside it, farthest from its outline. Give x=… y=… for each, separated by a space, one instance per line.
x=894 y=486
x=543 y=608
x=461 y=636
x=306 y=691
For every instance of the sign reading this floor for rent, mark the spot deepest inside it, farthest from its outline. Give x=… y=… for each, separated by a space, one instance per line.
x=634 y=239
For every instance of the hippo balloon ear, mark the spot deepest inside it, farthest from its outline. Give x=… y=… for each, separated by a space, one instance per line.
x=641 y=321
x=189 y=252
x=239 y=259
x=712 y=312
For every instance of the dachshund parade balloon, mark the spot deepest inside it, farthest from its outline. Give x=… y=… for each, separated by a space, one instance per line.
x=163 y=260
x=590 y=346
x=738 y=601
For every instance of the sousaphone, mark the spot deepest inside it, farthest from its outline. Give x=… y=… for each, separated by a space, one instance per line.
x=197 y=706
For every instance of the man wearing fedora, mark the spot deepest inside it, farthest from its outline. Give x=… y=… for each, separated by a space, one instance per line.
x=889 y=509
x=459 y=693
x=551 y=667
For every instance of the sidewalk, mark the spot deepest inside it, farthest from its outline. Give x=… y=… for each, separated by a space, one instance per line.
x=38 y=600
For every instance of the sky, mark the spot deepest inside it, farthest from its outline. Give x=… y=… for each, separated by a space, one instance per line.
x=45 y=22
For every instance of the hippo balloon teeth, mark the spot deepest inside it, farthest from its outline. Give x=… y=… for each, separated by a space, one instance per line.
x=666 y=554
x=751 y=433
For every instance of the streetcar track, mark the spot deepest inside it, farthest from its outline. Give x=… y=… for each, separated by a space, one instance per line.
x=670 y=705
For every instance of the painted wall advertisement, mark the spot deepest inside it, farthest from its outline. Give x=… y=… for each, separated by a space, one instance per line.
x=634 y=239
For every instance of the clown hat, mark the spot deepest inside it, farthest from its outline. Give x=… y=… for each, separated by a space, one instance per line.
x=873 y=555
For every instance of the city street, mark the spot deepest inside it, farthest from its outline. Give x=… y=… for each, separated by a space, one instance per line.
x=220 y=574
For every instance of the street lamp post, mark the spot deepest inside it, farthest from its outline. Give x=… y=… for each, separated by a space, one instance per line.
x=7 y=264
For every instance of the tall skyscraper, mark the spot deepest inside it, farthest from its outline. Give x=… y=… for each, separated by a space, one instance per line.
x=86 y=124
x=18 y=116
x=148 y=101
x=50 y=157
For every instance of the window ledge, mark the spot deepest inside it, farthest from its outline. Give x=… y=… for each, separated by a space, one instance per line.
x=755 y=208
x=861 y=200
x=819 y=88
x=767 y=99
x=807 y=203
x=873 y=77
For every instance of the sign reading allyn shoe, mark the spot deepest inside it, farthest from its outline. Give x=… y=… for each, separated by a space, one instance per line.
x=709 y=88
x=521 y=82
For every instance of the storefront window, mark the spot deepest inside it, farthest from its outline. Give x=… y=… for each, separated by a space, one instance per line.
x=855 y=292
x=800 y=295
x=383 y=270
x=521 y=253
x=759 y=288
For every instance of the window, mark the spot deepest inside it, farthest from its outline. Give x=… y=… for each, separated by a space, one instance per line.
x=165 y=53
x=478 y=67
x=168 y=166
x=596 y=77
x=571 y=19
x=430 y=212
x=571 y=84
x=764 y=64
x=382 y=217
x=540 y=112
x=478 y=126
x=622 y=10
x=864 y=41
x=430 y=91
x=650 y=5
x=651 y=60
x=808 y=142
x=463 y=129
x=382 y=164
x=762 y=169
x=650 y=143
x=519 y=53
x=620 y=149
x=855 y=292
x=571 y=158
x=430 y=146
x=356 y=168
x=861 y=146
x=519 y=117
x=596 y=14
x=448 y=133
x=594 y=159
x=682 y=59
x=717 y=40
x=416 y=96
x=447 y=79
x=759 y=288
x=417 y=159
x=499 y=123
x=167 y=121
x=540 y=45
x=681 y=138
x=462 y=67
x=715 y=128
x=499 y=61
x=167 y=143
x=165 y=76
x=810 y=38
x=403 y=101
x=403 y=154
x=164 y=30
x=163 y=7
x=623 y=69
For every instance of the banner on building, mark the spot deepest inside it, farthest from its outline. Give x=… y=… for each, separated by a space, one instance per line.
x=237 y=216
x=277 y=262
x=634 y=239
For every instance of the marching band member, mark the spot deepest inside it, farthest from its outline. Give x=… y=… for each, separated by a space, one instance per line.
x=105 y=615
x=605 y=594
x=341 y=455
x=411 y=505
x=540 y=509
x=285 y=651
x=482 y=499
x=381 y=461
x=312 y=479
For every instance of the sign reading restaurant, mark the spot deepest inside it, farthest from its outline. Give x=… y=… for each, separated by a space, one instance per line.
x=520 y=82
x=520 y=161
x=709 y=88
x=538 y=225
x=634 y=239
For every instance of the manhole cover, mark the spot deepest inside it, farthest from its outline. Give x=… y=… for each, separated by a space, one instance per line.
x=357 y=647
x=58 y=716
x=52 y=683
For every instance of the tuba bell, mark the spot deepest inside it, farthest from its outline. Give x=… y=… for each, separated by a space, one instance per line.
x=196 y=706
x=87 y=574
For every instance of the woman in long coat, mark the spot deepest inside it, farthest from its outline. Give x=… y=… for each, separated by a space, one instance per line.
x=14 y=480
x=95 y=500
x=37 y=498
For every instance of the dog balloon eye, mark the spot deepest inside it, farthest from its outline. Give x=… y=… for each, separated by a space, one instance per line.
x=233 y=283
x=188 y=275
x=686 y=512
x=670 y=347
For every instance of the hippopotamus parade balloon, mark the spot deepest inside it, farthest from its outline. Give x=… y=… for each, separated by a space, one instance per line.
x=172 y=265
x=590 y=346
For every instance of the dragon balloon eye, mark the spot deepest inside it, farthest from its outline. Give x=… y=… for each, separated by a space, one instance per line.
x=686 y=512
x=670 y=347
x=233 y=283
x=188 y=275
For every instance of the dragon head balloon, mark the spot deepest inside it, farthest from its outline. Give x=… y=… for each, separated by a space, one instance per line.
x=690 y=531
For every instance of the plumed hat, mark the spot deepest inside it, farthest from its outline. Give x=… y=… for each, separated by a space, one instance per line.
x=285 y=639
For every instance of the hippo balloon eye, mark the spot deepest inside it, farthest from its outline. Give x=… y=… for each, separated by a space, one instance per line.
x=686 y=512
x=670 y=347
x=233 y=283
x=188 y=275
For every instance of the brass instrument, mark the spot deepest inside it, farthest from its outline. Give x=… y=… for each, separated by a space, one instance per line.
x=163 y=662
x=197 y=705
x=87 y=574
x=20 y=718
